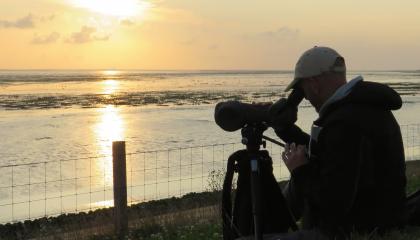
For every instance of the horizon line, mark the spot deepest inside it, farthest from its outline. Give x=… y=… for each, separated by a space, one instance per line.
x=188 y=70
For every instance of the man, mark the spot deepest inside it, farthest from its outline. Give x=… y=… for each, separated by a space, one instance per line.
x=349 y=174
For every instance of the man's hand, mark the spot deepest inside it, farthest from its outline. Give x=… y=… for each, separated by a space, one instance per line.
x=281 y=115
x=294 y=156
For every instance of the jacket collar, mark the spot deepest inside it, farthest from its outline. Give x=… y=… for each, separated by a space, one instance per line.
x=340 y=93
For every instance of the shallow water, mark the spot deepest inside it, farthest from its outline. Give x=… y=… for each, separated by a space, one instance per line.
x=21 y=90
x=79 y=110
x=53 y=117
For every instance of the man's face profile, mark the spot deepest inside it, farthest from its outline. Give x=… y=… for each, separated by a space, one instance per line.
x=310 y=87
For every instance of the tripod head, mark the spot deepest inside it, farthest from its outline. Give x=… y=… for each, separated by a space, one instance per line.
x=252 y=136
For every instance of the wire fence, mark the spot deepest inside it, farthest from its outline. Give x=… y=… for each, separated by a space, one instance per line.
x=411 y=139
x=176 y=172
x=34 y=190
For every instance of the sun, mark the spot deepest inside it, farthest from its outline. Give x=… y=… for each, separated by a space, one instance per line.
x=119 y=8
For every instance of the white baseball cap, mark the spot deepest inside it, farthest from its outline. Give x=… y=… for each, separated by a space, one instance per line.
x=317 y=61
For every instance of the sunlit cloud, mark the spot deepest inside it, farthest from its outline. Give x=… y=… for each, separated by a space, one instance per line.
x=188 y=42
x=127 y=22
x=24 y=22
x=51 y=38
x=150 y=33
x=47 y=18
x=119 y=8
x=213 y=47
x=85 y=35
x=282 y=33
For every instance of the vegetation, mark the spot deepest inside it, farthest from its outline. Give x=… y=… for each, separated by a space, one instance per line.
x=413 y=176
x=194 y=231
x=165 y=212
x=194 y=216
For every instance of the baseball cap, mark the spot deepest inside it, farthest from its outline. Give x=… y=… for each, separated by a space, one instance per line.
x=316 y=61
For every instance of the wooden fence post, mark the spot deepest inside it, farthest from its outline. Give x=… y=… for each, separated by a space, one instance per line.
x=120 y=188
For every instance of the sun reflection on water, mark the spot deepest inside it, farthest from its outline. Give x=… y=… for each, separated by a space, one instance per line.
x=103 y=204
x=110 y=72
x=110 y=86
x=110 y=127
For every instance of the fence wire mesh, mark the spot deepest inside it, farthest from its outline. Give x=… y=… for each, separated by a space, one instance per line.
x=175 y=172
x=411 y=139
x=34 y=190
x=51 y=188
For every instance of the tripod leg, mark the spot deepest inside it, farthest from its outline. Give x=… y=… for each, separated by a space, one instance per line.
x=256 y=198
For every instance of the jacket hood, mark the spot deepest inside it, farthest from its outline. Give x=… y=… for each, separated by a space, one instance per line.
x=368 y=93
x=375 y=94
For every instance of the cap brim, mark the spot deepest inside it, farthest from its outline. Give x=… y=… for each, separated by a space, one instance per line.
x=292 y=84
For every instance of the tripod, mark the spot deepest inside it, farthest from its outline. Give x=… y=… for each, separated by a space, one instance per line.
x=252 y=137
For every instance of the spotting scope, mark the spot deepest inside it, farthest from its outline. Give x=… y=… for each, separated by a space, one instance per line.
x=234 y=115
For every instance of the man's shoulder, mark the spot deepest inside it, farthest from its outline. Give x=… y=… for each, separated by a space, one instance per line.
x=352 y=113
x=366 y=101
x=359 y=119
x=381 y=130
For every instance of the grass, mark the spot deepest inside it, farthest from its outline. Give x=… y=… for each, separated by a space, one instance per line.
x=151 y=215
x=194 y=216
x=211 y=228
x=413 y=176
x=413 y=184
x=212 y=231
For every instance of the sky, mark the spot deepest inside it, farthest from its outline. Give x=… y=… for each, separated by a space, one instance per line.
x=206 y=34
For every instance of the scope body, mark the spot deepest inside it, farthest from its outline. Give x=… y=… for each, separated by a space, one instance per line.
x=234 y=115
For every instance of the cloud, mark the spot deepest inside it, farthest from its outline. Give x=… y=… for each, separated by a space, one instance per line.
x=283 y=33
x=101 y=38
x=188 y=42
x=47 y=18
x=51 y=38
x=213 y=47
x=22 y=23
x=127 y=22
x=85 y=35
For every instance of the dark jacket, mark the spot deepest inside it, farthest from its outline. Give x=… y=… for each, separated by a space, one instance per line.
x=355 y=179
